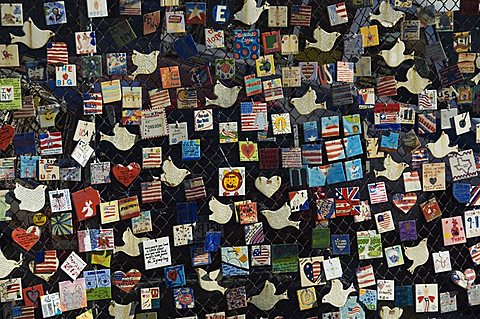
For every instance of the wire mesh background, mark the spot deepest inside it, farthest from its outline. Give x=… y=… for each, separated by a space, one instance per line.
x=164 y=215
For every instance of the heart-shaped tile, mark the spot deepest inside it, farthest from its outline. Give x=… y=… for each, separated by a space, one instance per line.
x=261 y=255
x=7 y=132
x=172 y=275
x=405 y=202
x=248 y=149
x=33 y=296
x=312 y=271
x=464 y=279
x=47 y=268
x=26 y=238
x=268 y=186
x=341 y=243
x=126 y=281
x=126 y=174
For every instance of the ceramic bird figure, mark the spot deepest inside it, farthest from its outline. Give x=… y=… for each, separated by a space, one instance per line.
x=337 y=296
x=250 y=13
x=268 y=186
x=226 y=96
x=119 y=311
x=209 y=280
x=221 y=212
x=31 y=200
x=395 y=56
x=324 y=40
x=306 y=104
x=387 y=313
x=441 y=147
x=388 y=17
x=172 y=175
x=34 y=38
x=4 y=206
x=132 y=244
x=418 y=254
x=415 y=83
x=393 y=170
x=122 y=139
x=476 y=78
x=146 y=63
x=278 y=219
x=7 y=265
x=267 y=299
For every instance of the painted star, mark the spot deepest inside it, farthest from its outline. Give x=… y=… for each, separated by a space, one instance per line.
x=195 y=13
x=312 y=138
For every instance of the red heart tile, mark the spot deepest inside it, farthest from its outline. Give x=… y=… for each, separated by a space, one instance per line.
x=248 y=150
x=26 y=238
x=7 y=132
x=126 y=281
x=126 y=174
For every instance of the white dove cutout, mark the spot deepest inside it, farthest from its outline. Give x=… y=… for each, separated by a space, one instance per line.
x=33 y=37
x=172 y=175
x=441 y=147
x=226 y=96
x=337 y=296
x=306 y=104
x=476 y=78
x=268 y=186
x=145 y=63
x=387 y=313
x=4 y=206
x=221 y=212
x=418 y=254
x=7 y=265
x=122 y=139
x=393 y=170
x=31 y=200
x=119 y=311
x=267 y=299
x=324 y=40
x=388 y=17
x=250 y=13
x=208 y=281
x=415 y=83
x=279 y=219
x=132 y=244
x=395 y=56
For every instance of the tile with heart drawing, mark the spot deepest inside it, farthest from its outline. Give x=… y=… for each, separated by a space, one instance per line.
x=248 y=151
x=175 y=276
x=340 y=244
x=260 y=255
x=31 y=295
x=311 y=271
x=433 y=177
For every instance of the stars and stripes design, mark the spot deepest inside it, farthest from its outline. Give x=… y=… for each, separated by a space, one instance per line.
x=474 y=196
x=377 y=192
x=387 y=86
x=425 y=101
x=194 y=189
x=199 y=256
x=354 y=311
x=151 y=192
x=300 y=15
x=345 y=71
x=261 y=254
x=419 y=157
x=384 y=221
x=273 y=89
x=23 y=312
x=47 y=262
x=387 y=117
x=450 y=75
x=330 y=126
x=159 y=99
x=57 y=53
x=50 y=143
x=404 y=201
x=312 y=154
x=92 y=103
x=427 y=123
x=335 y=150
x=308 y=71
x=131 y=7
x=338 y=13
x=347 y=201
x=254 y=234
x=109 y=212
x=342 y=94
x=28 y=109
x=365 y=276
x=291 y=157
x=152 y=157
x=253 y=116
x=475 y=253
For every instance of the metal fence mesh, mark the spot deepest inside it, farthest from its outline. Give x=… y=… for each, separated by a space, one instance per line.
x=163 y=214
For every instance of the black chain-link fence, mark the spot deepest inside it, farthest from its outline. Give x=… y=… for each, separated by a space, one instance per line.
x=164 y=214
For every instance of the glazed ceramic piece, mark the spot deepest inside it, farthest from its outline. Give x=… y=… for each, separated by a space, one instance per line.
x=172 y=175
x=221 y=212
x=119 y=311
x=337 y=296
x=4 y=206
x=415 y=84
x=464 y=279
x=393 y=170
x=476 y=79
x=324 y=40
x=441 y=148
x=145 y=63
x=267 y=299
x=395 y=56
x=31 y=200
x=306 y=104
x=388 y=17
x=268 y=186
x=226 y=96
x=132 y=244
x=33 y=37
x=404 y=202
x=7 y=265
x=122 y=139
x=126 y=174
x=387 y=313
x=279 y=219
x=250 y=13
x=209 y=280
x=418 y=254
x=44 y=276
x=126 y=281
